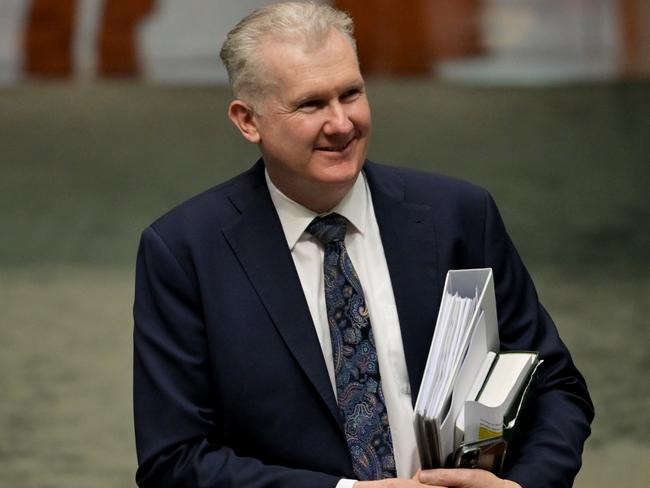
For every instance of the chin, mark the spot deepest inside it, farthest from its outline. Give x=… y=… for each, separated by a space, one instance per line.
x=340 y=174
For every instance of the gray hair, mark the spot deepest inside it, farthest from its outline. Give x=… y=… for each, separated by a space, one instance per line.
x=306 y=22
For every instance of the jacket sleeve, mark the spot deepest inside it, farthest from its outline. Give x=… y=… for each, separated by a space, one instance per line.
x=557 y=419
x=177 y=432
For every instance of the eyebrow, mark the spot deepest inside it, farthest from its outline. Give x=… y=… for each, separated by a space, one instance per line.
x=315 y=95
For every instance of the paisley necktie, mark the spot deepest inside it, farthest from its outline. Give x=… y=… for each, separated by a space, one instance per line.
x=358 y=383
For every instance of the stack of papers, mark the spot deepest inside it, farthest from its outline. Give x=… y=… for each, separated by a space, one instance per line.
x=449 y=341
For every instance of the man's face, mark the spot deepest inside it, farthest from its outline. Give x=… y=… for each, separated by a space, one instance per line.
x=314 y=124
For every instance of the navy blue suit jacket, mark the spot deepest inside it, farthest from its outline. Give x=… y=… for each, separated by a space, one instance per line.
x=230 y=385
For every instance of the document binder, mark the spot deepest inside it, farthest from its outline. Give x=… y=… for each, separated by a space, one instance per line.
x=471 y=393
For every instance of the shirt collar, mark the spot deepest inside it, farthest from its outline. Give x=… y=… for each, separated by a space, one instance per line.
x=295 y=218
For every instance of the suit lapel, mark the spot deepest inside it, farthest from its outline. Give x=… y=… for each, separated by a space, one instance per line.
x=408 y=237
x=258 y=241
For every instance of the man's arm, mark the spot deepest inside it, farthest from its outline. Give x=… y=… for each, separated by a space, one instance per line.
x=177 y=437
x=556 y=422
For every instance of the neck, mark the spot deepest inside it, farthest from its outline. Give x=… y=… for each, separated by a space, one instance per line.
x=320 y=200
x=317 y=198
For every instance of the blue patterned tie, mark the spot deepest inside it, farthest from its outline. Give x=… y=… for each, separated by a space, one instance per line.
x=358 y=383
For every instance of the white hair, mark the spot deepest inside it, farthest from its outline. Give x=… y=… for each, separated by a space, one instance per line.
x=308 y=23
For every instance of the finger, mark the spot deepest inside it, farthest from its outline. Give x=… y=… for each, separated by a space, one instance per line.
x=416 y=477
x=447 y=477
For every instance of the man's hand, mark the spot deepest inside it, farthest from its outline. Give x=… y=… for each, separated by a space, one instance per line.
x=391 y=483
x=463 y=478
x=443 y=478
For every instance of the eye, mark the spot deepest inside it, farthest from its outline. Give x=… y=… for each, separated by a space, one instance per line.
x=310 y=105
x=351 y=95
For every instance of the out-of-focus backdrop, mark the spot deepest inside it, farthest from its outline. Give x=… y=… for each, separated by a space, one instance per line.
x=112 y=111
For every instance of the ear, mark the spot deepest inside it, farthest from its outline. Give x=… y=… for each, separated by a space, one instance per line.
x=242 y=115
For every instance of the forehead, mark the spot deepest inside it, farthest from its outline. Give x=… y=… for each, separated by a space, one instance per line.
x=293 y=68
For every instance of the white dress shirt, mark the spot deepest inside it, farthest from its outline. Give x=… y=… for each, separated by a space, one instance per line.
x=366 y=252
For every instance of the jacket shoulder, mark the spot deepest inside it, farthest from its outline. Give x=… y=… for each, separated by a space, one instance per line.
x=210 y=209
x=428 y=187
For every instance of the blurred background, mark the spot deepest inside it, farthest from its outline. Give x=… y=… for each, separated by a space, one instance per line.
x=113 y=111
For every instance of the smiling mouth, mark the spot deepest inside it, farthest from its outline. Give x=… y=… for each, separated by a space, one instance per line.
x=335 y=148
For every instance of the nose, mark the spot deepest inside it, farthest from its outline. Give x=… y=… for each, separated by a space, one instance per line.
x=338 y=120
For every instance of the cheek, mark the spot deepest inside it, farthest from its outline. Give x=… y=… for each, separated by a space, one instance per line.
x=361 y=117
x=307 y=130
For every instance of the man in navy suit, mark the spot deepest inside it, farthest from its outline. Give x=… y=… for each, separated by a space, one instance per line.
x=233 y=372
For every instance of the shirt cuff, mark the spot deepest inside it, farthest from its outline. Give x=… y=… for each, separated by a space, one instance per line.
x=343 y=483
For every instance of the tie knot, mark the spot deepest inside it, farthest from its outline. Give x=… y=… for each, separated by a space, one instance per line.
x=330 y=228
